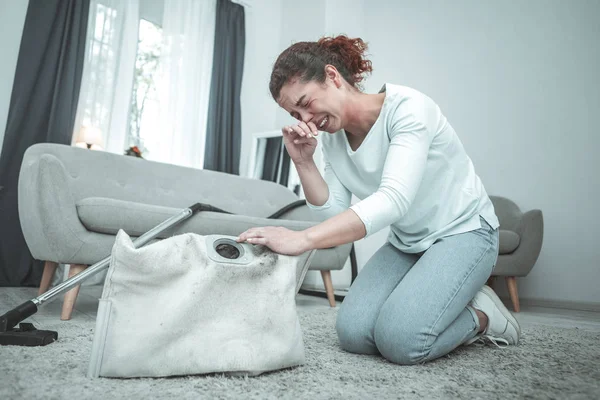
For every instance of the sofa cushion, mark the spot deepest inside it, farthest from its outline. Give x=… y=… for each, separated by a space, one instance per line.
x=107 y=216
x=509 y=241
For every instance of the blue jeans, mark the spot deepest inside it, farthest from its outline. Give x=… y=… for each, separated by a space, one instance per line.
x=413 y=308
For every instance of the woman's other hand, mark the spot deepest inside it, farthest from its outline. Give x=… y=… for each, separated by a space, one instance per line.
x=300 y=141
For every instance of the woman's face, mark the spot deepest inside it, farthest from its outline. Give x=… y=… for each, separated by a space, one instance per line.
x=319 y=103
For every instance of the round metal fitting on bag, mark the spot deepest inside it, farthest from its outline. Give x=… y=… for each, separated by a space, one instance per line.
x=228 y=248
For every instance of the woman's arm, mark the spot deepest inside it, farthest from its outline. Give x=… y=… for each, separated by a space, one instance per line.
x=325 y=195
x=400 y=180
x=341 y=225
x=401 y=177
x=337 y=199
x=402 y=173
x=343 y=228
x=340 y=229
x=314 y=186
x=411 y=134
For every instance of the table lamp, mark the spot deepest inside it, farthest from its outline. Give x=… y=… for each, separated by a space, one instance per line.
x=89 y=137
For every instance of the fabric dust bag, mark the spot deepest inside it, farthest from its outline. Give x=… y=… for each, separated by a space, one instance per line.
x=193 y=304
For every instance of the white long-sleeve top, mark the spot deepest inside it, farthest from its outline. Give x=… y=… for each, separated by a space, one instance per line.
x=411 y=173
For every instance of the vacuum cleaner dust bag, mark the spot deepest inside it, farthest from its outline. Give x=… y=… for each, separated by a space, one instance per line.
x=193 y=304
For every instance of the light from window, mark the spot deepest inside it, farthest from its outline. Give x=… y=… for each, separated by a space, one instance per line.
x=143 y=121
x=101 y=56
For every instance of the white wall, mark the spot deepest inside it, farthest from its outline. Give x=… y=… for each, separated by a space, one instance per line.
x=519 y=82
x=12 y=19
x=263 y=28
x=298 y=26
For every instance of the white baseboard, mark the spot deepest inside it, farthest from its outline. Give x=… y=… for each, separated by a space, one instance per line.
x=562 y=304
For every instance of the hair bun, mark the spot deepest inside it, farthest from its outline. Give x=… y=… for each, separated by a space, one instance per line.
x=350 y=53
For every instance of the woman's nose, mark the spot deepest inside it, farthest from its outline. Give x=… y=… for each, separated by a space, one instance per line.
x=306 y=117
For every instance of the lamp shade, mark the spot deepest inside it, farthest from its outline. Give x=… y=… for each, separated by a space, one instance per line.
x=89 y=135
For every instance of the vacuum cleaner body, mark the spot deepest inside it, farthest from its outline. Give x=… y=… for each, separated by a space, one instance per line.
x=194 y=304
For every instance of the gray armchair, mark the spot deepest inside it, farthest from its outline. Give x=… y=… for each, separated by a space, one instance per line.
x=521 y=236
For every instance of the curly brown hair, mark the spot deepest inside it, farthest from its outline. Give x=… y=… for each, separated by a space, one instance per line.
x=307 y=61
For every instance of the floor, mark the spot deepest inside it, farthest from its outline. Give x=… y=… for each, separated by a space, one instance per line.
x=557 y=358
x=87 y=304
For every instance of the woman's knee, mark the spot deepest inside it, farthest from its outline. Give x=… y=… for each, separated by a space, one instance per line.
x=401 y=343
x=354 y=331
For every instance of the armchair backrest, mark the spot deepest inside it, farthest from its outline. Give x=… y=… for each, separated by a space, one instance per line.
x=507 y=211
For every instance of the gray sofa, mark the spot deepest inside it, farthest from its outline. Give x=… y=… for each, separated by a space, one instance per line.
x=73 y=201
x=521 y=237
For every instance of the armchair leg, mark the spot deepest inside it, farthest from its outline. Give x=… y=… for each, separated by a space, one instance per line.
x=47 y=275
x=71 y=295
x=326 y=275
x=511 y=282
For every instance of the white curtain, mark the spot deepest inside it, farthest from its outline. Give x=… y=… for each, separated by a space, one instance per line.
x=107 y=81
x=184 y=78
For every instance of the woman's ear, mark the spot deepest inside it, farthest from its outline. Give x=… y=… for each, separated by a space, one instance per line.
x=333 y=74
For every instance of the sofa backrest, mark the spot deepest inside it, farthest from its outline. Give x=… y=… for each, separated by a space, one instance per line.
x=102 y=174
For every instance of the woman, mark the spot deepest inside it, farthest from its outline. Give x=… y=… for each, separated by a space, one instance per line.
x=422 y=294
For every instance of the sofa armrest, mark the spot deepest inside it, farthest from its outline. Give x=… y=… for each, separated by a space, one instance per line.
x=47 y=212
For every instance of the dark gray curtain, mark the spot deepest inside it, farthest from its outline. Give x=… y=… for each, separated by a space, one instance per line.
x=42 y=110
x=224 y=133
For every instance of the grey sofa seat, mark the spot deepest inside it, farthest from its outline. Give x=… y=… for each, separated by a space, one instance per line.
x=107 y=216
x=521 y=237
x=73 y=200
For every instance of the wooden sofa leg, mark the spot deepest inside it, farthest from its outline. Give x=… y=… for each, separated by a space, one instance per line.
x=511 y=282
x=71 y=295
x=326 y=275
x=47 y=275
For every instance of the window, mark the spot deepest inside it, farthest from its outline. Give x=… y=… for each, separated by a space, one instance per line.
x=143 y=119
x=102 y=43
